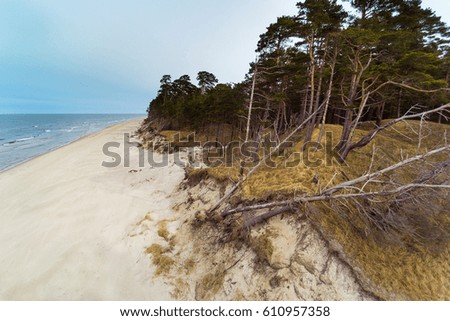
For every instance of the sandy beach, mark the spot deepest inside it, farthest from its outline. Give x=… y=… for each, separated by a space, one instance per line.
x=70 y=228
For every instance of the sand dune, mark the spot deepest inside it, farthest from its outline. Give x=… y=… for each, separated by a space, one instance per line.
x=67 y=224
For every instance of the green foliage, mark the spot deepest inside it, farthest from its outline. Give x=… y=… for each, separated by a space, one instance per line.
x=277 y=34
x=185 y=105
x=206 y=81
x=322 y=16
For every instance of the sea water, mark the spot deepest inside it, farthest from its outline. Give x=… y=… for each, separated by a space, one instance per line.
x=23 y=137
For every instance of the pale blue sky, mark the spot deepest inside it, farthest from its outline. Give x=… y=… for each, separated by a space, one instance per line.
x=107 y=56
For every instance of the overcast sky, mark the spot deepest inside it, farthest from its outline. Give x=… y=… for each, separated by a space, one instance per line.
x=107 y=56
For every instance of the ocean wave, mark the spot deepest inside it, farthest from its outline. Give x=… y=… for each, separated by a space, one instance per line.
x=18 y=140
x=24 y=139
x=71 y=129
x=64 y=129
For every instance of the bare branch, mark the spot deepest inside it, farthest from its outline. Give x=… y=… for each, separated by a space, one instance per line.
x=330 y=192
x=390 y=82
x=261 y=162
x=387 y=169
x=371 y=135
x=263 y=217
x=325 y=197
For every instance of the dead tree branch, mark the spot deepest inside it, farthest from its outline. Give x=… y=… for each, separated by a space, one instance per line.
x=329 y=193
x=261 y=162
x=262 y=218
x=371 y=135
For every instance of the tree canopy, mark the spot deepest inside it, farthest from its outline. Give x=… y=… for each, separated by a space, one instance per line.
x=377 y=60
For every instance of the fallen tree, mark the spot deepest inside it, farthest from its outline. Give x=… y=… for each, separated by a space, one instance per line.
x=339 y=191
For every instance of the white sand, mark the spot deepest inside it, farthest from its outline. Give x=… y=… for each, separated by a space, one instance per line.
x=66 y=224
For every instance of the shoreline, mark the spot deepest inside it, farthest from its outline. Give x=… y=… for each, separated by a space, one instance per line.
x=66 y=144
x=71 y=229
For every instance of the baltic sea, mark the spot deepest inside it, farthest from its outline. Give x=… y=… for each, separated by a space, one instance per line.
x=25 y=136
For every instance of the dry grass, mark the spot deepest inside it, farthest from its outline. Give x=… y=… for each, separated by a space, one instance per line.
x=210 y=284
x=147 y=217
x=170 y=135
x=262 y=244
x=224 y=173
x=207 y=135
x=189 y=265
x=181 y=288
x=406 y=271
x=163 y=231
x=389 y=147
x=239 y=296
x=162 y=261
x=401 y=273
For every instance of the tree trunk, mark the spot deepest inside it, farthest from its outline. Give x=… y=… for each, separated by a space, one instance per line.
x=327 y=97
x=346 y=128
x=399 y=103
x=249 y=116
x=354 y=125
x=304 y=105
x=310 y=126
x=217 y=133
x=380 y=111
x=357 y=73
